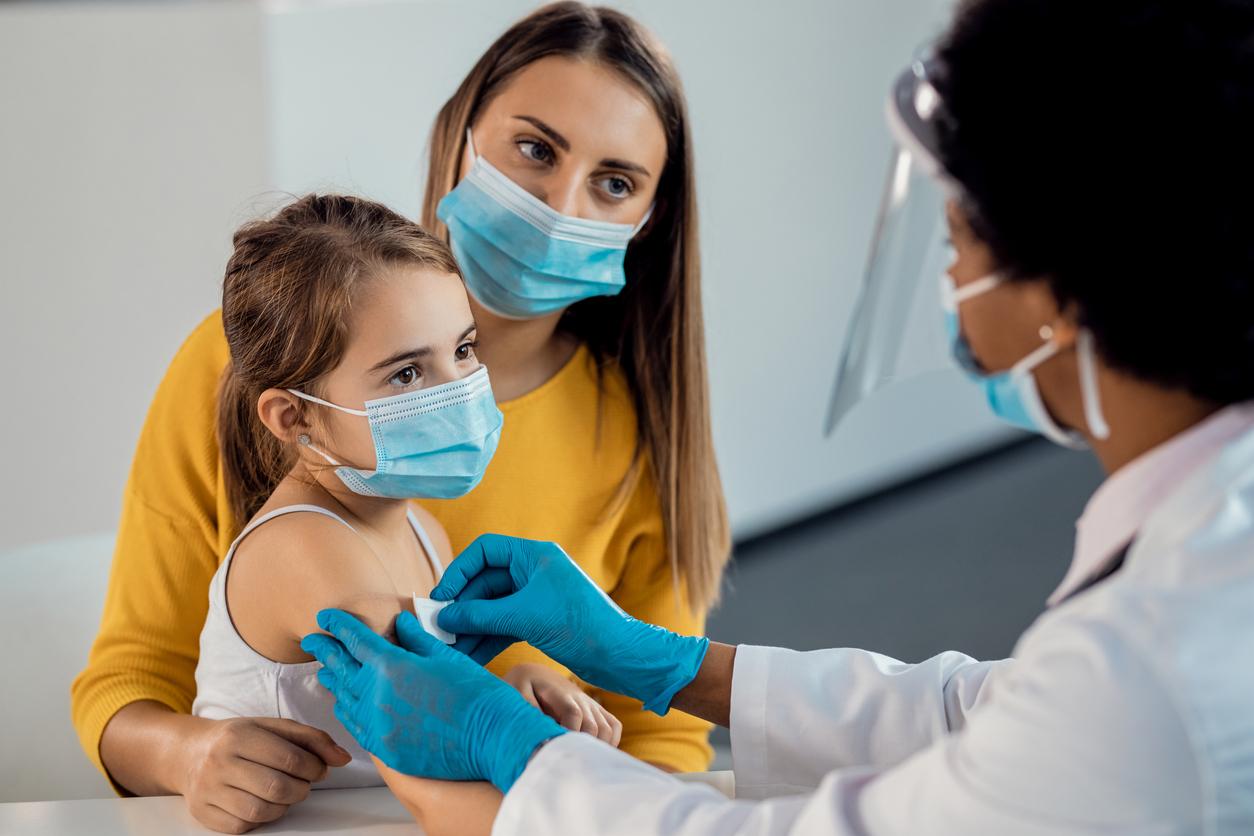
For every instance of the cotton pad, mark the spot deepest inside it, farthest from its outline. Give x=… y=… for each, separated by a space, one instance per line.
x=426 y=610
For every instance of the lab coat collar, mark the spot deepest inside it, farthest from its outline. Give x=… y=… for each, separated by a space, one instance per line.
x=1127 y=499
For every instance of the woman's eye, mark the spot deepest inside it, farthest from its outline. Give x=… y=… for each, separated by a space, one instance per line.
x=617 y=187
x=465 y=351
x=407 y=376
x=535 y=150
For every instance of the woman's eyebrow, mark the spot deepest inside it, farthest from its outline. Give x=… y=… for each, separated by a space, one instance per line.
x=563 y=143
x=623 y=165
x=558 y=140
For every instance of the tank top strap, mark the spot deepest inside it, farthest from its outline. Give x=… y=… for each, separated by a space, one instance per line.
x=437 y=566
x=279 y=512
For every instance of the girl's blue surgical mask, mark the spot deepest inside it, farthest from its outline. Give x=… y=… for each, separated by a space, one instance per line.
x=1013 y=395
x=520 y=257
x=431 y=443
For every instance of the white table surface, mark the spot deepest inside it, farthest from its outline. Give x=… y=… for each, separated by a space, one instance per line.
x=370 y=812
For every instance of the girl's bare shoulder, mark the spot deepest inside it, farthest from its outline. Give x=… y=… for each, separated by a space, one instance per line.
x=302 y=562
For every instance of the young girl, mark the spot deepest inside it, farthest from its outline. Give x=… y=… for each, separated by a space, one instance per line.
x=352 y=387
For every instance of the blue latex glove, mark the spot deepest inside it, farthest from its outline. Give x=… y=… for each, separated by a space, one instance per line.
x=506 y=589
x=423 y=708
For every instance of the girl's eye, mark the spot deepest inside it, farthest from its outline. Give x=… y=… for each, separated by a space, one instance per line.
x=407 y=376
x=535 y=150
x=617 y=187
x=465 y=351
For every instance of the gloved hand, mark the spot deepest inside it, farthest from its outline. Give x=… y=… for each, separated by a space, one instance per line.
x=423 y=708
x=506 y=589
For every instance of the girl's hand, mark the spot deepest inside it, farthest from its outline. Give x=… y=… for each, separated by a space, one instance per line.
x=445 y=808
x=565 y=702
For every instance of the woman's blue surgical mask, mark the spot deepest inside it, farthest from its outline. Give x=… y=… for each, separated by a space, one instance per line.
x=520 y=257
x=431 y=443
x=1013 y=395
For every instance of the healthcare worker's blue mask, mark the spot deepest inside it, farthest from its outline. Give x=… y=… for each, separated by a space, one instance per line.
x=1013 y=395
x=431 y=443
x=520 y=257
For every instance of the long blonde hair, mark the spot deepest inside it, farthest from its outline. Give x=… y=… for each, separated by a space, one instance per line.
x=653 y=330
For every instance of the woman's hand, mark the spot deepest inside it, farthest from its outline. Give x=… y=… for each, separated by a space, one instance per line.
x=236 y=774
x=505 y=589
x=565 y=702
x=423 y=708
x=246 y=771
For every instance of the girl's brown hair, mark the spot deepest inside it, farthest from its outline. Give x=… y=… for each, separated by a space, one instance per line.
x=653 y=330
x=286 y=304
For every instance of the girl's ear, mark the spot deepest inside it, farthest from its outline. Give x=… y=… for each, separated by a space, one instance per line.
x=281 y=413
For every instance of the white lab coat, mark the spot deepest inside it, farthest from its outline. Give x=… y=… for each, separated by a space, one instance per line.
x=1128 y=709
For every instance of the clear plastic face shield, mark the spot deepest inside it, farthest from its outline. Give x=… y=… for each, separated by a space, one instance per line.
x=896 y=330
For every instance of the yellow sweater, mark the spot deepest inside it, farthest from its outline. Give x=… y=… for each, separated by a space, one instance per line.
x=561 y=458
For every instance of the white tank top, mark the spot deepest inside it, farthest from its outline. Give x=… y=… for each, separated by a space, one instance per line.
x=233 y=680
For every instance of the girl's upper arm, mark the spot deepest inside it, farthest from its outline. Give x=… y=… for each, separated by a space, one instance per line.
x=298 y=564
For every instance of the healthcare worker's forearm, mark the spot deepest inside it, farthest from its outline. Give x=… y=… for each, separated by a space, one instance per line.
x=708 y=696
x=141 y=747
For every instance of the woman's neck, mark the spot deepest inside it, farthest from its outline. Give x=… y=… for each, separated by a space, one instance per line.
x=521 y=354
x=1141 y=417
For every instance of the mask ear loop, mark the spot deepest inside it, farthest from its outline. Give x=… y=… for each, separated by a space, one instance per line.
x=361 y=413
x=1089 y=391
x=303 y=441
x=1036 y=358
x=648 y=213
x=303 y=438
x=972 y=289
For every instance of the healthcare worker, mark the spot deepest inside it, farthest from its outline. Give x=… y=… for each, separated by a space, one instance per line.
x=1101 y=200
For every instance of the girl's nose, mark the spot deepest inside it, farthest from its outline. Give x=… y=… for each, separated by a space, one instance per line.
x=443 y=373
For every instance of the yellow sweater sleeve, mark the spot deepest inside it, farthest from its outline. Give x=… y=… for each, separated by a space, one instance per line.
x=647 y=590
x=168 y=546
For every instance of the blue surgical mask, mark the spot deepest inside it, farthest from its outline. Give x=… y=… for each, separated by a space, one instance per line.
x=520 y=257
x=1013 y=395
x=431 y=443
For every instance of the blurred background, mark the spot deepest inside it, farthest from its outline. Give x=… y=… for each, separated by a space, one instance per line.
x=135 y=137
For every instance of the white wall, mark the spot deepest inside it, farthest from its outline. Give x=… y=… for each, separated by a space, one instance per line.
x=131 y=142
x=134 y=138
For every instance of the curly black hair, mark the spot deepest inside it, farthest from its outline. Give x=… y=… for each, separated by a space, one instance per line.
x=1108 y=147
